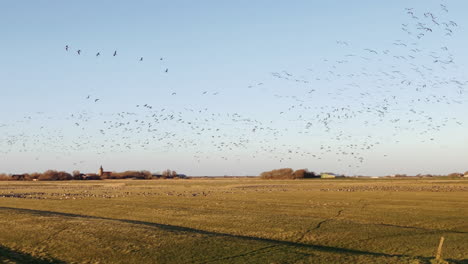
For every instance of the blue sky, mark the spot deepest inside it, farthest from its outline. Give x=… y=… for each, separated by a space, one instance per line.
x=227 y=104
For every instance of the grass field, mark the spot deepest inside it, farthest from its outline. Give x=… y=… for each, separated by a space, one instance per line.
x=234 y=221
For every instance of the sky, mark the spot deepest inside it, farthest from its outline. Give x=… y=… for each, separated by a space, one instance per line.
x=352 y=87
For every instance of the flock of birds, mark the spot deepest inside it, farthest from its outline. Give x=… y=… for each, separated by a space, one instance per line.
x=359 y=108
x=78 y=51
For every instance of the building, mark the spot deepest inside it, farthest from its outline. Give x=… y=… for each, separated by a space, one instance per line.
x=18 y=177
x=327 y=176
x=91 y=176
x=102 y=173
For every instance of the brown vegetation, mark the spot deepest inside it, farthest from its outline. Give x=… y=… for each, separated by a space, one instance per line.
x=287 y=173
x=5 y=177
x=52 y=175
x=450 y=175
x=455 y=175
x=128 y=175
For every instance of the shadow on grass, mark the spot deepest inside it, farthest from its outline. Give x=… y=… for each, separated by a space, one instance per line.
x=175 y=228
x=455 y=261
x=7 y=255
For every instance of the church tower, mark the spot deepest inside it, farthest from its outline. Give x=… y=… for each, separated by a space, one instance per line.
x=101 y=171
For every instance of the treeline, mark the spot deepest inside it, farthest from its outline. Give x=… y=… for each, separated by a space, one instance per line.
x=450 y=175
x=49 y=175
x=129 y=175
x=288 y=173
x=53 y=175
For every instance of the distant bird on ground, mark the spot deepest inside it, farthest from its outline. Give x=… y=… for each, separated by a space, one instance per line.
x=78 y=51
x=115 y=53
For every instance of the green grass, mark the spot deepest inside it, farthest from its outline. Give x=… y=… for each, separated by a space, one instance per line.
x=234 y=221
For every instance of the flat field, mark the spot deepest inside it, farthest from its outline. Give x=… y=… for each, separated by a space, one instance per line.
x=234 y=221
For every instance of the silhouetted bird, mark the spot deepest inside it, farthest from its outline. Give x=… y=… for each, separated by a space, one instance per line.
x=115 y=53
x=78 y=51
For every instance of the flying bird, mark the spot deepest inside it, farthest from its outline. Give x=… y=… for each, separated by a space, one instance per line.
x=444 y=7
x=78 y=51
x=66 y=47
x=115 y=53
x=97 y=54
x=371 y=51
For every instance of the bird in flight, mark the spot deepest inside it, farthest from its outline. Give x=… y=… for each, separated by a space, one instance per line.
x=141 y=59
x=97 y=54
x=66 y=47
x=78 y=51
x=95 y=100
x=115 y=53
x=167 y=70
x=444 y=7
x=371 y=51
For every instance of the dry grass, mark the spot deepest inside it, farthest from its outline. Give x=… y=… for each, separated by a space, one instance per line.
x=233 y=221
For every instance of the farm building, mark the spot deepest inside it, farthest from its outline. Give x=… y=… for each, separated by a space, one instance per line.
x=327 y=176
x=102 y=173
x=18 y=177
x=91 y=176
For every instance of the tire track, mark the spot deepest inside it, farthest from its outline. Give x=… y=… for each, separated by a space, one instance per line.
x=256 y=251
x=319 y=225
x=53 y=235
